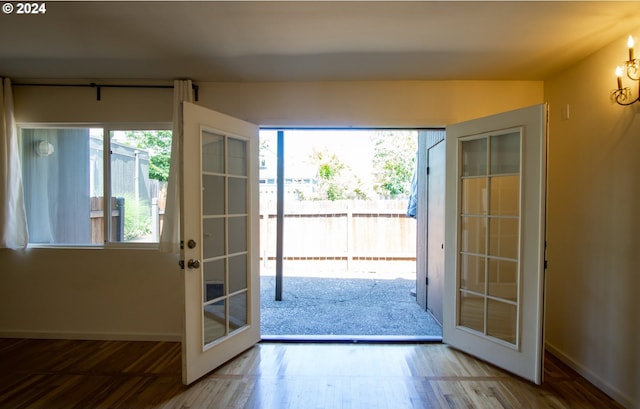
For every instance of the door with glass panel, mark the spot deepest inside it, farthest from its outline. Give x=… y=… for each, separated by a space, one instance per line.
x=494 y=239
x=220 y=238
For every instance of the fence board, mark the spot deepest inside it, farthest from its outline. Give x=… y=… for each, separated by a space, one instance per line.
x=348 y=234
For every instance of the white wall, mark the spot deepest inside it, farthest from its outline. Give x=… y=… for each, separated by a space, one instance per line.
x=134 y=294
x=593 y=279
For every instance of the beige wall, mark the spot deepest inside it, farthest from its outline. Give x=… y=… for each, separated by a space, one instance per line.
x=593 y=279
x=131 y=294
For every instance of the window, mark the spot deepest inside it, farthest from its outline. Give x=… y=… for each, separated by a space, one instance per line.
x=67 y=176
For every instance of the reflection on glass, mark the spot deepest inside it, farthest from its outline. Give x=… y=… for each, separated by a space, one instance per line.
x=237 y=273
x=212 y=152
x=502 y=320
x=214 y=321
x=237 y=234
x=474 y=157
x=213 y=279
x=238 y=311
x=212 y=195
x=472 y=273
x=471 y=311
x=505 y=195
x=237 y=157
x=213 y=237
x=503 y=237
x=505 y=153
x=503 y=279
x=473 y=234
x=237 y=195
x=474 y=196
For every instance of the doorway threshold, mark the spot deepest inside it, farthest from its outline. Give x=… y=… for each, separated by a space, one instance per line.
x=408 y=339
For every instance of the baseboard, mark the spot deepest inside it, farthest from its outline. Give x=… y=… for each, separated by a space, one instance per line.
x=92 y=336
x=597 y=381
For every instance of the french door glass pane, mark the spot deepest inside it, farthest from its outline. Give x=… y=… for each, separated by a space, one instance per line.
x=474 y=157
x=473 y=234
x=505 y=195
x=212 y=195
x=472 y=273
x=503 y=279
x=505 y=153
x=212 y=152
x=237 y=234
x=471 y=311
x=474 y=196
x=225 y=234
x=213 y=238
x=237 y=273
x=237 y=157
x=502 y=320
x=214 y=321
x=490 y=235
x=237 y=195
x=503 y=237
x=214 y=279
x=238 y=311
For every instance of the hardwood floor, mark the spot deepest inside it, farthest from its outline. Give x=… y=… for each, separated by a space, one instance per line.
x=53 y=374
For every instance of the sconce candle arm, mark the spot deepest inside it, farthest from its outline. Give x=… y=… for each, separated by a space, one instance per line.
x=631 y=70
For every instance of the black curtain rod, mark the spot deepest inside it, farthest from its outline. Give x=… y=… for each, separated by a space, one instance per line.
x=98 y=87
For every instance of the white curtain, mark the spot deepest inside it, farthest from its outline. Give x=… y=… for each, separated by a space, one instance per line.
x=13 y=219
x=170 y=238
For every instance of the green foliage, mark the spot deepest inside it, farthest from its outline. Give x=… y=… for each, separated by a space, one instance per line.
x=158 y=144
x=336 y=180
x=394 y=162
x=137 y=218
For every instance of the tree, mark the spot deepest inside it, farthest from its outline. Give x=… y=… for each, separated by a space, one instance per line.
x=336 y=180
x=394 y=162
x=158 y=143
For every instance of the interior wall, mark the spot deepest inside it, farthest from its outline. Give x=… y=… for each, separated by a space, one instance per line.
x=367 y=103
x=135 y=294
x=592 y=318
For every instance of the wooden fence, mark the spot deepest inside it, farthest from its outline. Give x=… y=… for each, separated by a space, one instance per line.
x=97 y=220
x=341 y=235
x=117 y=220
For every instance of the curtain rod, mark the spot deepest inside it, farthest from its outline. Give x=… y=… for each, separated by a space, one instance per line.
x=98 y=87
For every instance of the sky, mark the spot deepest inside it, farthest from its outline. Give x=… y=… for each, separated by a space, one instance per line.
x=353 y=147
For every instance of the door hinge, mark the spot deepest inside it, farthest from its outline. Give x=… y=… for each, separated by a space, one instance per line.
x=181 y=264
x=426 y=279
x=428 y=170
x=545 y=264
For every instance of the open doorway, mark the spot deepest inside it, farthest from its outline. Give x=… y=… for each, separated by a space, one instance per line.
x=348 y=240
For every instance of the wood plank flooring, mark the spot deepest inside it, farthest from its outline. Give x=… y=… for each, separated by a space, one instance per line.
x=51 y=374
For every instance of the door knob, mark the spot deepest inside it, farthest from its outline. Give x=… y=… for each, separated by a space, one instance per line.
x=193 y=263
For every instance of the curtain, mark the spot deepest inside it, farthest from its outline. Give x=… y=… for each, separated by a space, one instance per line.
x=170 y=237
x=13 y=219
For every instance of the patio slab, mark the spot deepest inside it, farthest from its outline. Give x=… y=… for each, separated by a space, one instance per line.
x=355 y=306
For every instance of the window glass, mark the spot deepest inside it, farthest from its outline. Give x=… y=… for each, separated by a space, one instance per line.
x=139 y=174
x=63 y=173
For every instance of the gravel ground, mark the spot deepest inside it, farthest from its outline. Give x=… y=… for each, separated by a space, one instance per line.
x=359 y=305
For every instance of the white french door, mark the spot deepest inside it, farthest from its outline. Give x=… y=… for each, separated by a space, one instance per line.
x=495 y=238
x=219 y=203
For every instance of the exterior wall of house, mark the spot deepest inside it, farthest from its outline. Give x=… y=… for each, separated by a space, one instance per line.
x=593 y=276
x=131 y=294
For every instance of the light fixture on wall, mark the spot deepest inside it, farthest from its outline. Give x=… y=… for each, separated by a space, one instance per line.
x=44 y=148
x=630 y=69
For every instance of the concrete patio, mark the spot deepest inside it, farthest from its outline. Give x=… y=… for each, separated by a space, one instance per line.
x=345 y=306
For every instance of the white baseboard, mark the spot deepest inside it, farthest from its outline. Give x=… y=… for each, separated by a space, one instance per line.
x=600 y=383
x=93 y=336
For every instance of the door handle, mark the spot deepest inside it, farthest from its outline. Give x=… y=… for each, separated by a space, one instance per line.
x=193 y=263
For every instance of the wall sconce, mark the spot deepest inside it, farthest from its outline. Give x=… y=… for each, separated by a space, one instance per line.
x=631 y=69
x=44 y=148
